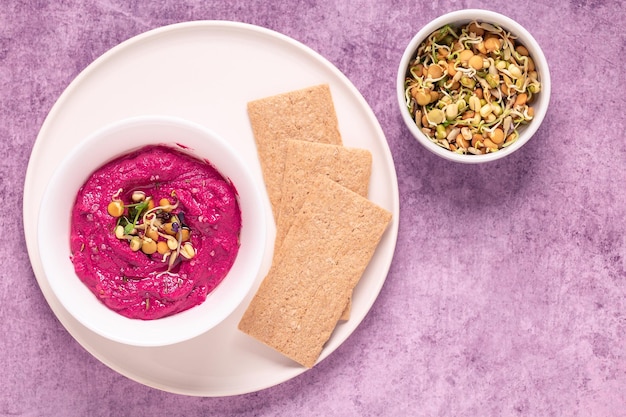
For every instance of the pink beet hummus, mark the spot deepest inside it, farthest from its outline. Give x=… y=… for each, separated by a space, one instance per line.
x=142 y=286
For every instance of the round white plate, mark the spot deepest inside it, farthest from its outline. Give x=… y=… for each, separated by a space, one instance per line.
x=206 y=71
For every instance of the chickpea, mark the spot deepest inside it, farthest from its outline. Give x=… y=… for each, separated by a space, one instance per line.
x=138 y=196
x=135 y=243
x=148 y=246
x=188 y=251
x=183 y=234
x=162 y=247
x=168 y=228
x=172 y=243
x=116 y=208
x=165 y=203
x=119 y=232
x=152 y=233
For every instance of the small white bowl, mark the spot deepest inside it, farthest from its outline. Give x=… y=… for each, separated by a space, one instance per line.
x=462 y=17
x=54 y=230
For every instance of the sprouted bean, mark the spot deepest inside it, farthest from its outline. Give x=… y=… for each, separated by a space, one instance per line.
x=470 y=88
x=152 y=229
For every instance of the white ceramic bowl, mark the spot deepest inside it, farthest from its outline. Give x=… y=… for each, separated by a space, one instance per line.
x=462 y=17
x=54 y=230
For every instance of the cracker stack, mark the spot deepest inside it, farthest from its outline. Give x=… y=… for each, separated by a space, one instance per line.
x=307 y=114
x=350 y=167
x=327 y=230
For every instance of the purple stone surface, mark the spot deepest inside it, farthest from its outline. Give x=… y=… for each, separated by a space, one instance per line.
x=507 y=291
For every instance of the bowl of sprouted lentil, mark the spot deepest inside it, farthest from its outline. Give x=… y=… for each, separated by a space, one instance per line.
x=473 y=86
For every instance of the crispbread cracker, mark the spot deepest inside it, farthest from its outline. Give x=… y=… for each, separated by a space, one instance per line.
x=323 y=256
x=350 y=167
x=306 y=114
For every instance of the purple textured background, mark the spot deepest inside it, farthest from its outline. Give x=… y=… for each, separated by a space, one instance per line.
x=506 y=296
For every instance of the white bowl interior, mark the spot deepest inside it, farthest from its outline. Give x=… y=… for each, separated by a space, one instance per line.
x=462 y=17
x=55 y=217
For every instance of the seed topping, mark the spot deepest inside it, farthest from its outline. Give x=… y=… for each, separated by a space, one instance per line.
x=152 y=229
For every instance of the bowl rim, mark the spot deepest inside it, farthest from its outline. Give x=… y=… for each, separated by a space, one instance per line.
x=467 y=15
x=184 y=325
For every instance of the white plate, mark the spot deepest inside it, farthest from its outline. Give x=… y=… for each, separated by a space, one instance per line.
x=206 y=71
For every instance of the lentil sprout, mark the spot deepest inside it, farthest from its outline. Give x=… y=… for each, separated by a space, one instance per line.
x=470 y=88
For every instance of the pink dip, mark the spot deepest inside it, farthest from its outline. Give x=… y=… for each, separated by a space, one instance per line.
x=133 y=283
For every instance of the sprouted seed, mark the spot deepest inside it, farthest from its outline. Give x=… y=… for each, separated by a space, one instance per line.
x=152 y=229
x=470 y=88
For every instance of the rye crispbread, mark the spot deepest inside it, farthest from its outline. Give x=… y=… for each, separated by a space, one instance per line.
x=322 y=258
x=350 y=167
x=307 y=114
